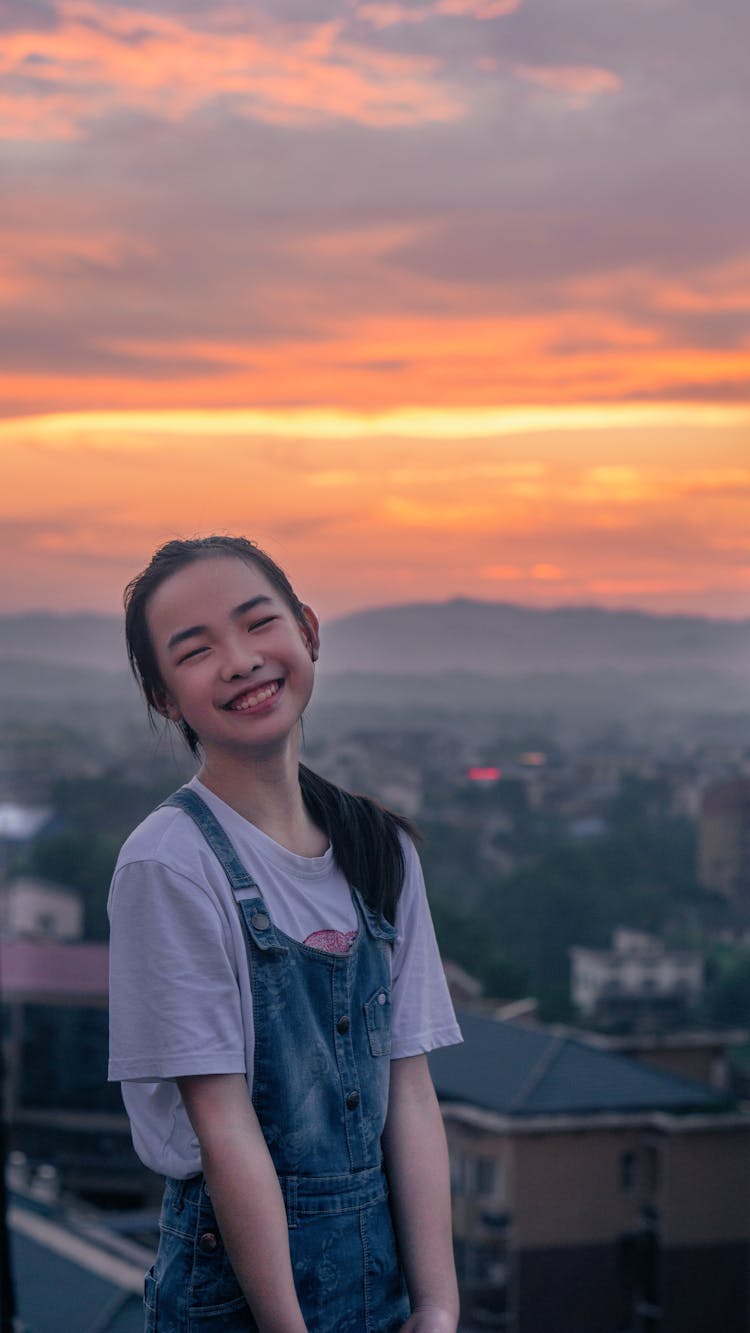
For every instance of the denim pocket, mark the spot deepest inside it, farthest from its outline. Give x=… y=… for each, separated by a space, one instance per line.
x=378 y=1019
x=150 y=1301
x=230 y=1317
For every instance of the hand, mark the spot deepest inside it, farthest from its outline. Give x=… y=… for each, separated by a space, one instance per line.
x=430 y=1319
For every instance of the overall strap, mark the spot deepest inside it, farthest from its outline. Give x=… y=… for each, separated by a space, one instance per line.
x=252 y=911
x=376 y=926
x=188 y=800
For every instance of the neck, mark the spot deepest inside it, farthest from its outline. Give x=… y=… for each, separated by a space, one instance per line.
x=264 y=790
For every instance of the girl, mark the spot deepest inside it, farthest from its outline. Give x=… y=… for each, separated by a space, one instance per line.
x=275 y=985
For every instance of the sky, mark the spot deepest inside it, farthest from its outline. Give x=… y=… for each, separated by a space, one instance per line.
x=431 y=299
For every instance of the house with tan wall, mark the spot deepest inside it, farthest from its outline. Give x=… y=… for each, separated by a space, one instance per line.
x=592 y=1194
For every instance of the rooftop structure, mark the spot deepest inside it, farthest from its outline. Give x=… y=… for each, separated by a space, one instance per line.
x=637 y=983
x=518 y=1070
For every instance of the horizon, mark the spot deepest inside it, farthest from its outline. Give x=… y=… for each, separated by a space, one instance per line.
x=74 y=613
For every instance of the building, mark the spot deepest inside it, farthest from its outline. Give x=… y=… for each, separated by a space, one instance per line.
x=57 y=1104
x=724 y=840
x=638 y=983
x=706 y=1055
x=38 y=909
x=592 y=1194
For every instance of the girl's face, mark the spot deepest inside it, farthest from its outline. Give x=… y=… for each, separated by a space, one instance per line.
x=236 y=663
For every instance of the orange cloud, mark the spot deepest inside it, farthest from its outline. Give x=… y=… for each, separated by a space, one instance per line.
x=501 y=573
x=102 y=59
x=578 y=83
x=478 y=9
x=36 y=261
x=378 y=363
x=387 y=14
x=611 y=337
x=355 y=508
x=26 y=115
x=727 y=481
x=705 y=289
x=653 y=587
x=549 y=573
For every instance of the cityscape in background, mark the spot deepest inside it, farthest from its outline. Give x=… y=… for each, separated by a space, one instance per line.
x=589 y=879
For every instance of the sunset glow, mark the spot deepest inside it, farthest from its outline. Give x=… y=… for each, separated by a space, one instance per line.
x=414 y=295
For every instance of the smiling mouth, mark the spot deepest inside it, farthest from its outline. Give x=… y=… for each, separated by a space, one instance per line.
x=246 y=702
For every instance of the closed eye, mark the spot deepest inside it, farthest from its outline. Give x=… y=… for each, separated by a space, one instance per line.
x=203 y=648
x=193 y=653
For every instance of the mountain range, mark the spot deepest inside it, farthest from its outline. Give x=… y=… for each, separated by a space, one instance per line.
x=461 y=657
x=487 y=638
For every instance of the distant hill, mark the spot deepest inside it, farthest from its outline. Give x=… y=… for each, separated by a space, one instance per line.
x=500 y=638
x=86 y=639
x=430 y=660
x=486 y=638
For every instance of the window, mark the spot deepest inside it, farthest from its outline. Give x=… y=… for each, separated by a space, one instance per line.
x=486 y=1175
x=475 y=1177
x=652 y=1163
x=458 y=1164
x=627 y=1171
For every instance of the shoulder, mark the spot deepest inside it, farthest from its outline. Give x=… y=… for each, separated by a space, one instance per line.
x=413 y=876
x=167 y=870
x=162 y=836
x=412 y=908
x=167 y=848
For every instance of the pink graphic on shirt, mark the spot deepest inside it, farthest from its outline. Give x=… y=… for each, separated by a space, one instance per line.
x=331 y=941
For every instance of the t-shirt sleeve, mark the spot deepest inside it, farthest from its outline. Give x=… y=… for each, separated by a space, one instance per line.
x=422 y=1017
x=174 y=995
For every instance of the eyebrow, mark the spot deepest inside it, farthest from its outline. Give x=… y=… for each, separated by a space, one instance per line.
x=194 y=630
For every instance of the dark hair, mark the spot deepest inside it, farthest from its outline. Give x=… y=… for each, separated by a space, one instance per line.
x=364 y=835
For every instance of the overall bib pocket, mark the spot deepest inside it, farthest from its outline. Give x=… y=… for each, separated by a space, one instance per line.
x=378 y=1018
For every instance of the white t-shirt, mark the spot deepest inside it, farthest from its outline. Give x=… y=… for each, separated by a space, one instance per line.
x=180 y=999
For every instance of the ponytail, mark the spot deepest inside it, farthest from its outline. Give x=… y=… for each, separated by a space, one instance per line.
x=364 y=837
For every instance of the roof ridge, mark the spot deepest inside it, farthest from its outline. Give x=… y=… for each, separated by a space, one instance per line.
x=551 y=1052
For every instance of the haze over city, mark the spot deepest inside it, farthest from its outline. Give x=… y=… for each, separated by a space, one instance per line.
x=433 y=299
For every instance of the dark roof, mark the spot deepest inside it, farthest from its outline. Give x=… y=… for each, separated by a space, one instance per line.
x=65 y=1281
x=519 y=1070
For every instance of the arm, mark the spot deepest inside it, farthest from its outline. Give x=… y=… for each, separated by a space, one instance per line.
x=416 y=1157
x=245 y=1195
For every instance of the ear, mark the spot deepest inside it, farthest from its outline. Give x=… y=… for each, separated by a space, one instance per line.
x=311 y=635
x=168 y=709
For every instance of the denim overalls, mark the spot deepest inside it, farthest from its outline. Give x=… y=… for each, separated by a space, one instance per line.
x=320 y=1091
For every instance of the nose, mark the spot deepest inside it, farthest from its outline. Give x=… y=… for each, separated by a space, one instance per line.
x=239 y=658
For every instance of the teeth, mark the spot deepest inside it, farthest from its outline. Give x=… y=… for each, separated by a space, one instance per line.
x=251 y=700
